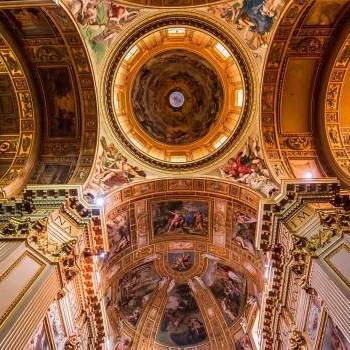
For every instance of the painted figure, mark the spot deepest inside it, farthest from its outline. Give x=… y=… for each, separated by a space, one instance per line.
x=101 y=20
x=181 y=261
x=244 y=231
x=248 y=167
x=182 y=323
x=228 y=287
x=113 y=169
x=118 y=234
x=178 y=216
x=135 y=290
x=254 y=18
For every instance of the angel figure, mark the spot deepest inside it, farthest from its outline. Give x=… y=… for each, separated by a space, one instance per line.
x=113 y=168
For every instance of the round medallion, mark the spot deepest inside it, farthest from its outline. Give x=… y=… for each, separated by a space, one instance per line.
x=176 y=99
x=160 y=90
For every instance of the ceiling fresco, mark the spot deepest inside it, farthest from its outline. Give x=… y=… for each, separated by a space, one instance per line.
x=102 y=22
x=127 y=110
x=174 y=131
x=249 y=167
x=252 y=20
x=182 y=324
x=198 y=88
x=140 y=127
x=112 y=170
x=182 y=263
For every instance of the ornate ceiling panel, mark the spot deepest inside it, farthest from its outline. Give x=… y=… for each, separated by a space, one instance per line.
x=65 y=88
x=182 y=268
x=290 y=88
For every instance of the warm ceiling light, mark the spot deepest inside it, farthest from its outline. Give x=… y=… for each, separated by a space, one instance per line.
x=222 y=49
x=308 y=175
x=220 y=142
x=131 y=53
x=239 y=98
x=178 y=159
x=176 y=31
x=100 y=201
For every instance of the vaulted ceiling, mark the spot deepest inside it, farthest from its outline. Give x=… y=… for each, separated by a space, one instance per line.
x=180 y=116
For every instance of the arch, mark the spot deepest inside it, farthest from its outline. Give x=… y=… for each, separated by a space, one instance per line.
x=65 y=87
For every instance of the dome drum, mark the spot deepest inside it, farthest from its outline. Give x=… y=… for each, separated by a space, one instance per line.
x=185 y=62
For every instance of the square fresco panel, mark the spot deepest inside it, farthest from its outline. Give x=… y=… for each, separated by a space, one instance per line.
x=333 y=338
x=135 y=290
x=119 y=235
x=181 y=261
x=182 y=323
x=180 y=216
x=60 y=102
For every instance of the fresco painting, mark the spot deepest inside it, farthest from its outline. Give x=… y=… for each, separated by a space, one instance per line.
x=123 y=343
x=228 y=287
x=313 y=319
x=30 y=21
x=333 y=338
x=60 y=102
x=112 y=170
x=39 y=340
x=119 y=235
x=181 y=261
x=244 y=228
x=180 y=216
x=135 y=290
x=182 y=323
x=100 y=21
x=249 y=168
x=199 y=94
x=254 y=19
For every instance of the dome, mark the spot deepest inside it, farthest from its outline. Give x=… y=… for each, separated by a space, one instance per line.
x=178 y=95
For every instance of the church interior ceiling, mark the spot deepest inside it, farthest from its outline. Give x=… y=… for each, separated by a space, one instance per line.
x=64 y=87
x=182 y=265
x=292 y=121
x=185 y=120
